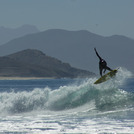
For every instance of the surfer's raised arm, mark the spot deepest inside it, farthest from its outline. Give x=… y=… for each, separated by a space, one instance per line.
x=97 y=54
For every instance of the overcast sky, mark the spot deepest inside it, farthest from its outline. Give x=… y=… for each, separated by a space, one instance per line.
x=104 y=17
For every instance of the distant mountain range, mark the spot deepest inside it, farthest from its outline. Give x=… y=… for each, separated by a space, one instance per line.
x=7 y=34
x=77 y=48
x=34 y=63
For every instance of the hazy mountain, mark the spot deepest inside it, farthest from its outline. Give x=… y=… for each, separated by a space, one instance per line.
x=7 y=34
x=34 y=63
x=76 y=48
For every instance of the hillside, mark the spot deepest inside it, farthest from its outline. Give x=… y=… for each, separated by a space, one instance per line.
x=77 y=48
x=34 y=63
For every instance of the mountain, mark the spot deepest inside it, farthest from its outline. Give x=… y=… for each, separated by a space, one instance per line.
x=77 y=48
x=34 y=63
x=7 y=34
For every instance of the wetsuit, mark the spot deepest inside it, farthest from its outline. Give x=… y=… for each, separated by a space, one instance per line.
x=102 y=64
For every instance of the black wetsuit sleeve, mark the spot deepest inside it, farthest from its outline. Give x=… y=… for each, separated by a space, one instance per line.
x=97 y=54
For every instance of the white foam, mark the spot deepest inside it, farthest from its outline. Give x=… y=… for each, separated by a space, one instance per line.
x=63 y=98
x=78 y=119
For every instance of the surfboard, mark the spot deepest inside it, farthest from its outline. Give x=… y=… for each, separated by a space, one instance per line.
x=106 y=77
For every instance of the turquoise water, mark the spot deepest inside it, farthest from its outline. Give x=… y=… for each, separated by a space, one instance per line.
x=68 y=105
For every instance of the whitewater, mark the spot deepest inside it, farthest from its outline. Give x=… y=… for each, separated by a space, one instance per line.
x=68 y=105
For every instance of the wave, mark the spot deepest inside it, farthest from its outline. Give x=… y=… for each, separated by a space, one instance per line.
x=102 y=97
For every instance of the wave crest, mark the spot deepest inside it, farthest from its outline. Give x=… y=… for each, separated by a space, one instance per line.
x=106 y=96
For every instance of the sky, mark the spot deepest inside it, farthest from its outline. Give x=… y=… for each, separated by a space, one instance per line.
x=103 y=17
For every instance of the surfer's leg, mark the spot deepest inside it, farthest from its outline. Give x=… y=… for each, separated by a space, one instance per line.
x=104 y=70
x=108 y=68
x=100 y=70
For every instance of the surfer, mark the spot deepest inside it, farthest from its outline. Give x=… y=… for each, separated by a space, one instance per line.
x=102 y=64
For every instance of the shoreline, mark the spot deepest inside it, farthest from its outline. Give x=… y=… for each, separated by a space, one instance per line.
x=25 y=78
x=33 y=78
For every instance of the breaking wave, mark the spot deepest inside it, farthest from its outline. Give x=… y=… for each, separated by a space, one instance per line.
x=102 y=97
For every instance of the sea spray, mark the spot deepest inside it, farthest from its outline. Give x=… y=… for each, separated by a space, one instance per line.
x=102 y=108
x=18 y=102
x=111 y=97
x=122 y=75
x=71 y=96
x=103 y=97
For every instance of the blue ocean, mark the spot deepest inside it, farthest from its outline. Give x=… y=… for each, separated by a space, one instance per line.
x=56 y=106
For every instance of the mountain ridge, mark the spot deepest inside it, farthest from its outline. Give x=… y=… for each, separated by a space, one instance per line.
x=34 y=63
x=7 y=34
x=77 y=48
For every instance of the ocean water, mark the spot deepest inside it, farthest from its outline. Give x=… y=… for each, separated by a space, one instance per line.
x=56 y=106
